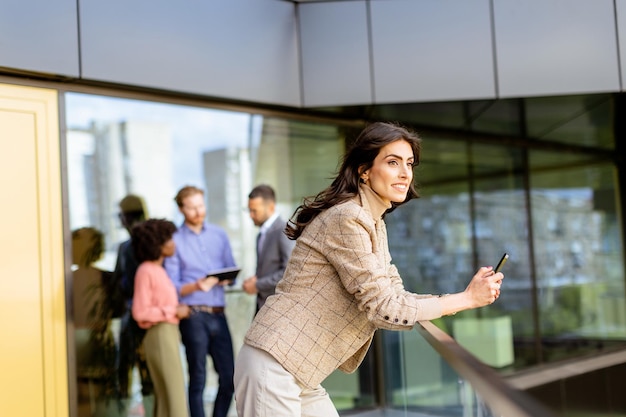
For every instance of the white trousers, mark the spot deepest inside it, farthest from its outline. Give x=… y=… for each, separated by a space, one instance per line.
x=263 y=388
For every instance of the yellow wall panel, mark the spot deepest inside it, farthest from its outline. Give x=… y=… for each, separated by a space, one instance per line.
x=33 y=352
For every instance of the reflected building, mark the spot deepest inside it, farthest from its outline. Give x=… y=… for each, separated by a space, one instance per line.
x=111 y=160
x=227 y=178
x=433 y=248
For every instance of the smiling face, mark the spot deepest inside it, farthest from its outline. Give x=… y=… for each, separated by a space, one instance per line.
x=392 y=171
x=194 y=210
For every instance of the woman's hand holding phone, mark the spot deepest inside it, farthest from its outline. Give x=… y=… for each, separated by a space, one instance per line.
x=483 y=289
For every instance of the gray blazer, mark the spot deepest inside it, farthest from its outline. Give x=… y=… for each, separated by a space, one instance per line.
x=272 y=260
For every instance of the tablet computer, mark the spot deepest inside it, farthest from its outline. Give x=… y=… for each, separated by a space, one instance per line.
x=225 y=273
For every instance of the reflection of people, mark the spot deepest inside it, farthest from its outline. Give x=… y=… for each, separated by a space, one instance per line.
x=200 y=248
x=340 y=285
x=132 y=212
x=155 y=308
x=95 y=347
x=88 y=287
x=273 y=246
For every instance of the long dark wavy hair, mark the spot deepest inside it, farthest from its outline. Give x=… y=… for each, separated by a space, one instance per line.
x=359 y=158
x=148 y=238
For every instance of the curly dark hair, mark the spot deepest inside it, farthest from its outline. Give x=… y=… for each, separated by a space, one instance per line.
x=359 y=158
x=148 y=238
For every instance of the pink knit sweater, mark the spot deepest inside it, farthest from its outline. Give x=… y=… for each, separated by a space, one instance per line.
x=155 y=299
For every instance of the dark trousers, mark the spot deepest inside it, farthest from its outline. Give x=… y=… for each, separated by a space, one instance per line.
x=208 y=334
x=131 y=354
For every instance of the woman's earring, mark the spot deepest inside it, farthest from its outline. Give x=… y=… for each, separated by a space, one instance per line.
x=363 y=180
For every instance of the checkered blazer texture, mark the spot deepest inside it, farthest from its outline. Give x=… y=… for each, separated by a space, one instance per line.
x=338 y=288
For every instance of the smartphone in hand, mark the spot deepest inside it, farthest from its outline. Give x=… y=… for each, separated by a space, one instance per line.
x=501 y=263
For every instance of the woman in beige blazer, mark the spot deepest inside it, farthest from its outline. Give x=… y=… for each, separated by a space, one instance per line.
x=340 y=285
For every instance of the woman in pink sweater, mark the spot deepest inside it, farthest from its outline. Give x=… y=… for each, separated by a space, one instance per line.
x=156 y=308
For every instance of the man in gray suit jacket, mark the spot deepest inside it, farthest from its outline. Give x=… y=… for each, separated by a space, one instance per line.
x=273 y=246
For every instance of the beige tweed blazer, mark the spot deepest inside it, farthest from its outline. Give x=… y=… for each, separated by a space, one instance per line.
x=338 y=288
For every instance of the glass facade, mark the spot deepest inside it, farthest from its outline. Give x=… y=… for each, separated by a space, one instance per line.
x=436 y=390
x=531 y=177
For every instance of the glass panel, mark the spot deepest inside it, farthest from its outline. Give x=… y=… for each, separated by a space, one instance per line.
x=501 y=116
x=116 y=147
x=577 y=120
x=500 y=225
x=420 y=382
x=545 y=161
x=356 y=390
x=445 y=114
x=430 y=238
x=314 y=156
x=578 y=249
x=443 y=162
x=473 y=207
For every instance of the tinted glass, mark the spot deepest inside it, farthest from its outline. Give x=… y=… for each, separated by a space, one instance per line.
x=116 y=147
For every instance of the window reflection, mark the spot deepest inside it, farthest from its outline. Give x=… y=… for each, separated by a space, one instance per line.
x=500 y=116
x=578 y=253
x=474 y=206
x=118 y=147
x=578 y=120
x=95 y=344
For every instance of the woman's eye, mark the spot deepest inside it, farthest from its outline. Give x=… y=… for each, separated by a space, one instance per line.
x=393 y=162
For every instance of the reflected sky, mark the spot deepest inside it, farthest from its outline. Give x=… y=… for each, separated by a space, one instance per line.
x=194 y=130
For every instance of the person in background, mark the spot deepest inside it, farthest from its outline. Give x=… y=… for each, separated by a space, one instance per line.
x=133 y=211
x=201 y=248
x=93 y=337
x=156 y=309
x=273 y=246
x=340 y=285
x=90 y=283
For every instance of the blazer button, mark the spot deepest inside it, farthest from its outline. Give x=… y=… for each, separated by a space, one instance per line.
x=396 y=320
x=405 y=321
x=386 y=317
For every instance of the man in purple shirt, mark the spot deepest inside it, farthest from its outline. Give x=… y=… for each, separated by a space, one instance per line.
x=200 y=249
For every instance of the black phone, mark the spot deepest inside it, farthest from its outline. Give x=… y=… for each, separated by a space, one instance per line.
x=501 y=263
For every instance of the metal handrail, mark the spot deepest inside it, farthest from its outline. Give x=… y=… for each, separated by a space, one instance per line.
x=496 y=392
